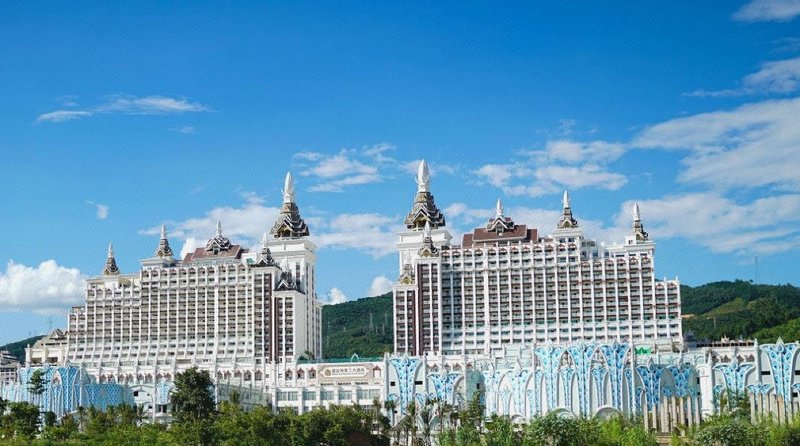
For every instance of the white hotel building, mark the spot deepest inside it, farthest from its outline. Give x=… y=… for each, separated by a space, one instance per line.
x=507 y=284
x=222 y=307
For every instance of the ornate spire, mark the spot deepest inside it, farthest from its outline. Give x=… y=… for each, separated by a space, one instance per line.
x=164 y=249
x=219 y=242
x=500 y=223
x=424 y=209
x=567 y=221
x=638 y=228
x=289 y=224
x=111 y=264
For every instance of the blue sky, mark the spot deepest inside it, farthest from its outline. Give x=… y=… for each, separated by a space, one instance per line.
x=116 y=118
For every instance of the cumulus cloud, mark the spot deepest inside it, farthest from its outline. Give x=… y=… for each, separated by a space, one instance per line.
x=380 y=285
x=768 y=11
x=349 y=167
x=335 y=296
x=561 y=164
x=46 y=289
x=128 y=105
x=766 y=225
x=751 y=146
x=774 y=77
x=372 y=233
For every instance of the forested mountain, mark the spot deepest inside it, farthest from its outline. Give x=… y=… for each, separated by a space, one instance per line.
x=739 y=309
x=362 y=326
x=18 y=348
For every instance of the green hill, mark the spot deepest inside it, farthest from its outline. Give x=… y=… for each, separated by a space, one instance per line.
x=361 y=326
x=740 y=309
x=18 y=348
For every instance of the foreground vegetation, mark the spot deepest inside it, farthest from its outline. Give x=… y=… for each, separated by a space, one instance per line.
x=198 y=422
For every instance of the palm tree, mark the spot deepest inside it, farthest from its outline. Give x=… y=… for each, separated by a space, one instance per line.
x=390 y=406
x=425 y=418
x=412 y=421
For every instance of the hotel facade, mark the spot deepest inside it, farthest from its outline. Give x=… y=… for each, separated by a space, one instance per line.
x=507 y=284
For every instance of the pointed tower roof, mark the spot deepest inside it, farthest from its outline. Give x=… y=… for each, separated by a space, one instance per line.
x=218 y=242
x=289 y=224
x=266 y=255
x=567 y=221
x=500 y=223
x=424 y=209
x=111 y=264
x=164 y=250
x=638 y=228
x=428 y=249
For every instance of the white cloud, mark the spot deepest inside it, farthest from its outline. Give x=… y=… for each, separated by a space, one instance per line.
x=751 y=146
x=335 y=296
x=374 y=234
x=101 y=210
x=129 y=105
x=337 y=172
x=768 y=10
x=149 y=105
x=764 y=226
x=562 y=164
x=380 y=285
x=62 y=115
x=774 y=77
x=186 y=129
x=47 y=288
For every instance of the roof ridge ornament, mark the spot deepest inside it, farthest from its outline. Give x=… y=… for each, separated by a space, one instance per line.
x=164 y=250
x=638 y=227
x=567 y=220
x=110 y=269
x=500 y=223
x=219 y=242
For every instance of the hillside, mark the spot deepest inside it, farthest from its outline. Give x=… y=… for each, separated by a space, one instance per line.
x=18 y=348
x=740 y=309
x=346 y=327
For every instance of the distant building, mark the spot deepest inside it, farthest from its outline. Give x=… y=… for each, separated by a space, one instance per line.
x=9 y=364
x=508 y=284
x=50 y=349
